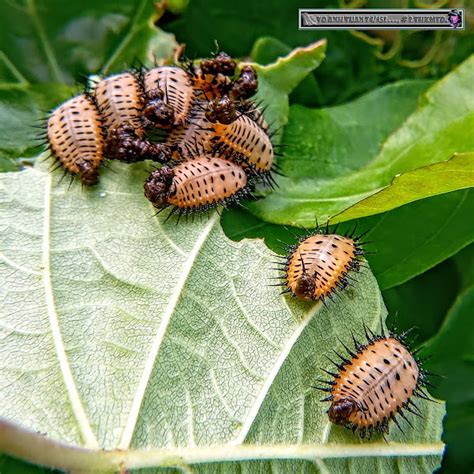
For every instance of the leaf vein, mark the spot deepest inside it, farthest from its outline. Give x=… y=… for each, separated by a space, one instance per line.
x=77 y=408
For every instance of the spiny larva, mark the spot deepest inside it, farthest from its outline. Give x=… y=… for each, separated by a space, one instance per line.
x=320 y=265
x=120 y=99
x=196 y=185
x=374 y=384
x=75 y=137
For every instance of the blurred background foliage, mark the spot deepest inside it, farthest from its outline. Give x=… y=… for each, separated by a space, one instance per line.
x=422 y=253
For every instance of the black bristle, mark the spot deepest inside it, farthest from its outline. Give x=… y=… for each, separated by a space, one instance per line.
x=332 y=374
x=402 y=414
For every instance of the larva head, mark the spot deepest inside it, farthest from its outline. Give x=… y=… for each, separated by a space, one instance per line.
x=305 y=287
x=246 y=85
x=341 y=410
x=157 y=111
x=88 y=173
x=159 y=185
x=306 y=284
x=221 y=110
x=222 y=63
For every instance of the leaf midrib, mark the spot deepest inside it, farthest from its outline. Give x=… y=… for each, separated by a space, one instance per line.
x=88 y=436
x=129 y=429
x=35 y=447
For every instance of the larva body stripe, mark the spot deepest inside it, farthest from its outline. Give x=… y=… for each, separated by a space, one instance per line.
x=193 y=138
x=380 y=380
x=206 y=181
x=246 y=138
x=256 y=115
x=177 y=88
x=119 y=99
x=324 y=259
x=75 y=135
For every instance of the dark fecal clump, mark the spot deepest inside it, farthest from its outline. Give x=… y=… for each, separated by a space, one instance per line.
x=221 y=110
x=156 y=111
x=158 y=186
x=246 y=85
x=123 y=144
x=222 y=63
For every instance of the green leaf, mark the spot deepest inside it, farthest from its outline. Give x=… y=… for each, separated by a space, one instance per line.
x=403 y=245
x=121 y=330
x=413 y=238
x=422 y=303
x=451 y=354
x=465 y=264
x=22 y=117
x=324 y=175
x=278 y=79
x=267 y=50
x=451 y=175
x=12 y=465
x=54 y=41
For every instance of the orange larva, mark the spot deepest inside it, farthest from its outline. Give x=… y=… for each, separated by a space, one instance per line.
x=177 y=90
x=245 y=141
x=120 y=101
x=196 y=185
x=374 y=384
x=320 y=264
x=191 y=139
x=256 y=114
x=75 y=137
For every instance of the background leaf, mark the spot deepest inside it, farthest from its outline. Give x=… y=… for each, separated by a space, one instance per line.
x=88 y=37
x=355 y=64
x=50 y=41
x=464 y=261
x=135 y=334
x=22 y=115
x=278 y=79
x=451 y=175
x=431 y=134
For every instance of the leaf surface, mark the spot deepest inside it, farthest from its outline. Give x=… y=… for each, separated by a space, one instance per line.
x=120 y=330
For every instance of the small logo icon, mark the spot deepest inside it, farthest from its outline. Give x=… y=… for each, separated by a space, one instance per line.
x=455 y=18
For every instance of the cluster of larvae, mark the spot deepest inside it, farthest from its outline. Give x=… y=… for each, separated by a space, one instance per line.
x=378 y=379
x=213 y=144
x=199 y=122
